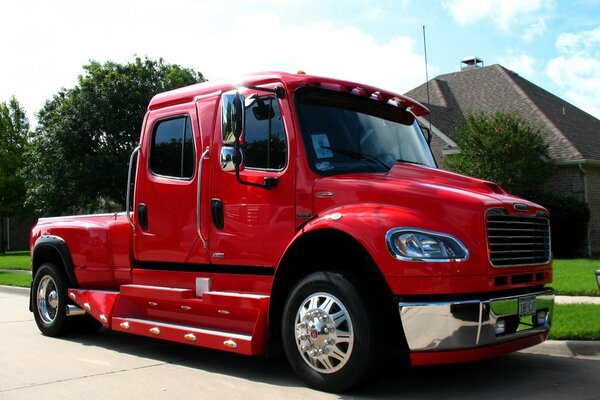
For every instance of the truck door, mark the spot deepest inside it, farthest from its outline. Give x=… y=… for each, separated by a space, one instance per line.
x=252 y=225
x=166 y=186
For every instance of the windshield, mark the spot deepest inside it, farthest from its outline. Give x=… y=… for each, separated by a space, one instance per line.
x=346 y=133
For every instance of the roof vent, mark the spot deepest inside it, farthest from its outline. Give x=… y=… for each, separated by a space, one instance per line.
x=471 y=62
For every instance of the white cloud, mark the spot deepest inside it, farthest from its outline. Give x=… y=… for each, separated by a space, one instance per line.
x=535 y=29
x=47 y=49
x=579 y=43
x=577 y=69
x=505 y=14
x=521 y=64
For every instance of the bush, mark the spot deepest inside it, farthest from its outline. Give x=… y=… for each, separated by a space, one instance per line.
x=569 y=217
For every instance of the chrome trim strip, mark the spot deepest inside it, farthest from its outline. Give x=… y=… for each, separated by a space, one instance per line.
x=458 y=325
x=128 y=197
x=198 y=195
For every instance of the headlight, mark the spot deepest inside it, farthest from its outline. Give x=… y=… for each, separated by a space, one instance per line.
x=411 y=244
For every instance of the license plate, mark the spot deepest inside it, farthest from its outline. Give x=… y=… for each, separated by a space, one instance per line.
x=526 y=306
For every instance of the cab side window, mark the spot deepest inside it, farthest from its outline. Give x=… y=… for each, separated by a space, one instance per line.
x=265 y=140
x=172 y=151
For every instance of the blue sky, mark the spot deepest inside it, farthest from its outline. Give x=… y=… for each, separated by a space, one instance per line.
x=555 y=44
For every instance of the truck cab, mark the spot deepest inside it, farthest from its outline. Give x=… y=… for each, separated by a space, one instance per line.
x=305 y=213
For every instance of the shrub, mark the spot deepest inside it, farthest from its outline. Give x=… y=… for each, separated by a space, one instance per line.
x=569 y=217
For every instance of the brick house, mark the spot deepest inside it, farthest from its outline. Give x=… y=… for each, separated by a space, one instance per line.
x=573 y=135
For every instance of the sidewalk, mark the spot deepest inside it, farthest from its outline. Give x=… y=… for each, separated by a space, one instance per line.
x=577 y=300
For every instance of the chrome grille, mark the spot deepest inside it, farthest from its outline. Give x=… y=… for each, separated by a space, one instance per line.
x=515 y=240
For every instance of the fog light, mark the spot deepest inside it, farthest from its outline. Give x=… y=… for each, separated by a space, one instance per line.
x=541 y=317
x=500 y=327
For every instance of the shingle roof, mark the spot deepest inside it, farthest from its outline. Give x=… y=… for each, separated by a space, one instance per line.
x=572 y=134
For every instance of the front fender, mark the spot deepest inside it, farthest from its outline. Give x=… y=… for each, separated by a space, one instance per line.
x=367 y=223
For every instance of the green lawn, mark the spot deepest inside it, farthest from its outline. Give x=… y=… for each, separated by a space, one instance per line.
x=576 y=322
x=15 y=279
x=15 y=260
x=576 y=277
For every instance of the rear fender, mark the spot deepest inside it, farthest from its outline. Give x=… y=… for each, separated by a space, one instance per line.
x=50 y=248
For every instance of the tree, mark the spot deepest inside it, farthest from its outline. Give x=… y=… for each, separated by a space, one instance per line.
x=502 y=148
x=14 y=128
x=78 y=158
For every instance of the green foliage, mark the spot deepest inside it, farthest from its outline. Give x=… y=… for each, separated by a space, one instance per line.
x=502 y=148
x=575 y=277
x=79 y=154
x=569 y=217
x=14 y=129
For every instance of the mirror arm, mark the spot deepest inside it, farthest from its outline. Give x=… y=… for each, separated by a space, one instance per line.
x=270 y=181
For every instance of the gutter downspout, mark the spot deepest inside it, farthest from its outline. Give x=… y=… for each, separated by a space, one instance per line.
x=586 y=199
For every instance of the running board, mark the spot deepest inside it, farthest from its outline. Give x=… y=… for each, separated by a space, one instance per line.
x=231 y=321
x=214 y=339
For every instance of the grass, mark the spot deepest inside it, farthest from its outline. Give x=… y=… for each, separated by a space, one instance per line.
x=576 y=277
x=576 y=322
x=15 y=279
x=15 y=260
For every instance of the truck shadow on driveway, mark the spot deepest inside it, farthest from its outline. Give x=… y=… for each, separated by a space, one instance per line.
x=517 y=375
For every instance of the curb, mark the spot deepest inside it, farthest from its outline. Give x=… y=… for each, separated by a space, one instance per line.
x=567 y=348
x=14 y=290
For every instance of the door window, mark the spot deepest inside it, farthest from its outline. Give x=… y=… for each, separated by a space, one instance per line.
x=172 y=152
x=265 y=141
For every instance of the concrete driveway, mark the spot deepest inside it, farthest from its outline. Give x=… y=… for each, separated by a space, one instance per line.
x=110 y=365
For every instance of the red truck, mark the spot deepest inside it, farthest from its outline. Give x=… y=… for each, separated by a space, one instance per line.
x=305 y=213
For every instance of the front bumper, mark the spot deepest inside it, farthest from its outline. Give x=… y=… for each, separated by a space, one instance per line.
x=472 y=326
x=598 y=277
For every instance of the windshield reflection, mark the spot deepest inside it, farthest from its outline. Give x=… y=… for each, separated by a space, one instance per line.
x=344 y=133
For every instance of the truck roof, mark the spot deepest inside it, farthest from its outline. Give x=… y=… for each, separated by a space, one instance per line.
x=291 y=82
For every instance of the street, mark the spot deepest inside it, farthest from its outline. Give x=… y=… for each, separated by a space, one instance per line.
x=110 y=365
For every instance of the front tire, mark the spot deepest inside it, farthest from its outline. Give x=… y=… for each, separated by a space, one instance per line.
x=50 y=300
x=331 y=335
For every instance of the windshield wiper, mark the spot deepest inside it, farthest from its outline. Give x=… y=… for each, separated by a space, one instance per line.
x=410 y=162
x=357 y=155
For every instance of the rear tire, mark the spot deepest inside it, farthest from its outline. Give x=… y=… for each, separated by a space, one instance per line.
x=331 y=333
x=50 y=300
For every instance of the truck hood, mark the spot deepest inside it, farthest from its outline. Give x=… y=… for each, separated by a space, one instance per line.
x=431 y=195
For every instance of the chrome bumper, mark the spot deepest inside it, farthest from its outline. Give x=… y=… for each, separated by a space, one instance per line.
x=460 y=325
x=598 y=277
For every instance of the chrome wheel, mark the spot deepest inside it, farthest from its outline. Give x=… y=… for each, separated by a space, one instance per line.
x=331 y=332
x=47 y=299
x=324 y=332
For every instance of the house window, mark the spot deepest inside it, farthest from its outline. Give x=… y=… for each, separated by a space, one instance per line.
x=172 y=152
